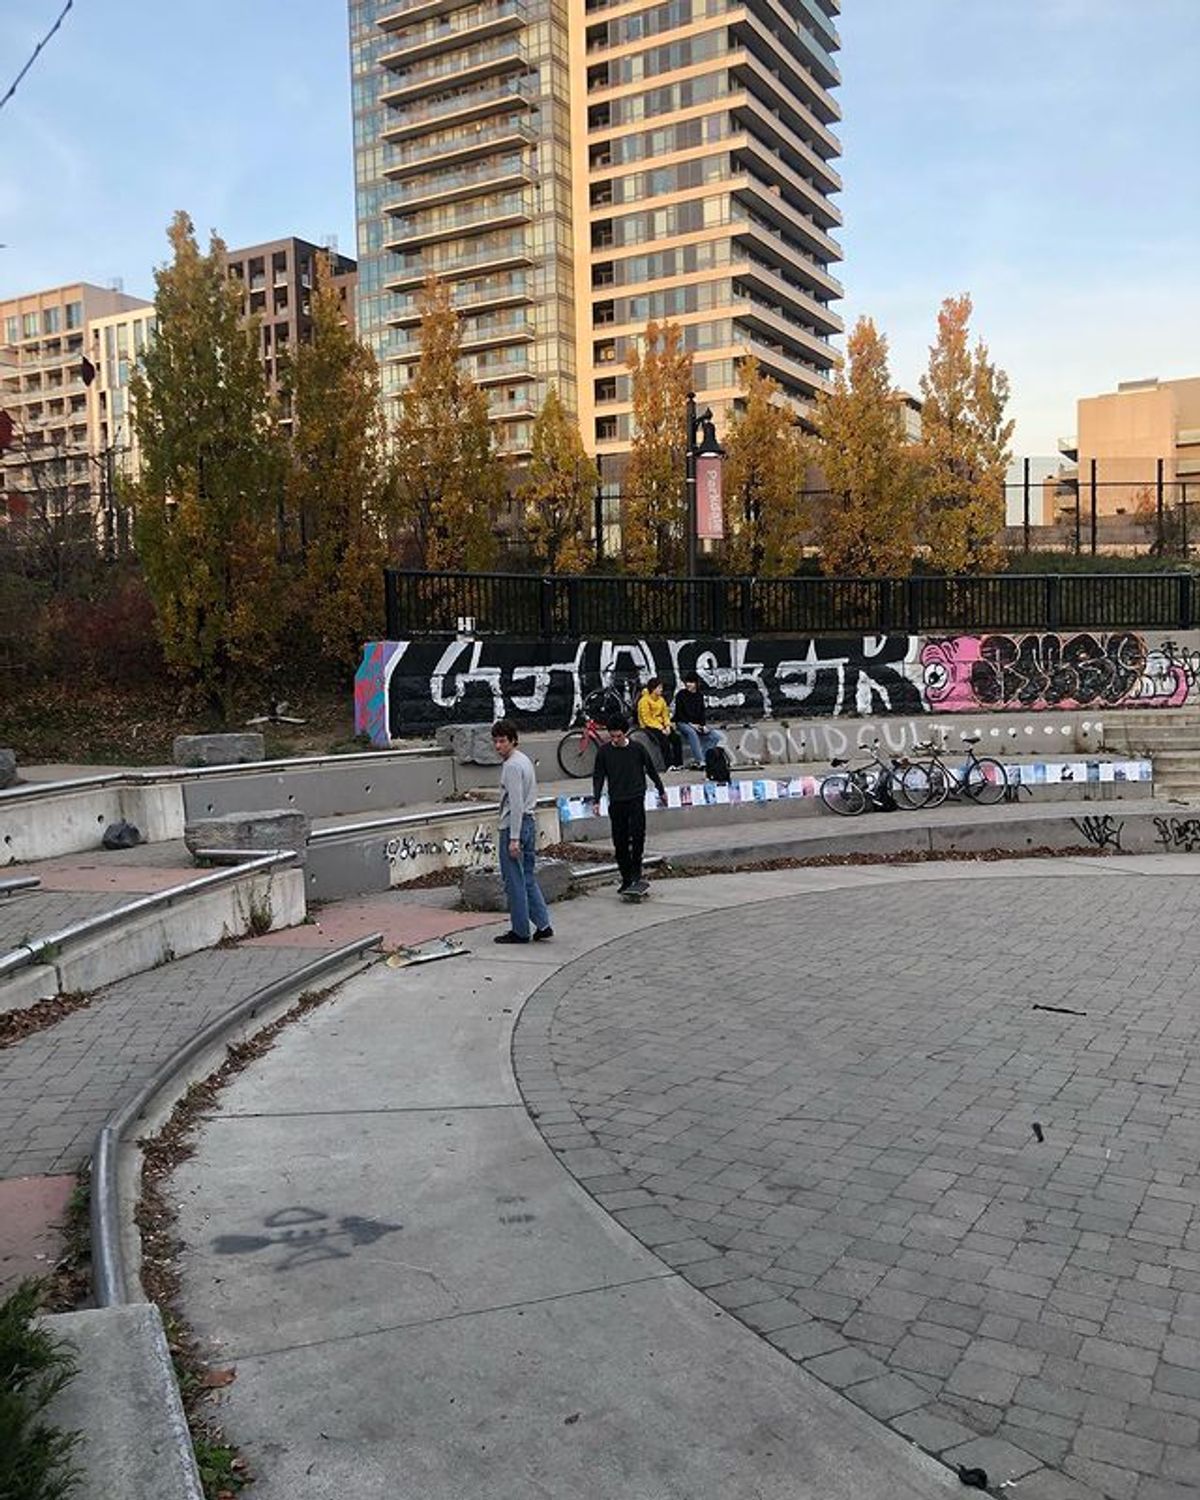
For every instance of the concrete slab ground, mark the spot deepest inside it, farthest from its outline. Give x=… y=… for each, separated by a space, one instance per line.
x=419 y=1303
x=400 y=920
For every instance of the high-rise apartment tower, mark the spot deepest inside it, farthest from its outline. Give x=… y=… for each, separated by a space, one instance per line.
x=578 y=169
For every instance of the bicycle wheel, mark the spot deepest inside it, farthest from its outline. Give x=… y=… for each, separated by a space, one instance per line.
x=577 y=753
x=919 y=786
x=843 y=795
x=985 y=781
x=940 y=784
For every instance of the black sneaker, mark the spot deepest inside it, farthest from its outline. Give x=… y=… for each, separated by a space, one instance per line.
x=624 y=890
x=543 y=934
x=510 y=937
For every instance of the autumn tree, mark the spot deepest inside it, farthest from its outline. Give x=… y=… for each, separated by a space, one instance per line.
x=964 y=448
x=207 y=498
x=337 y=480
x=559 y=492
x=654 y=510
x=765 y=511
x=449 y=480
x=868 y=514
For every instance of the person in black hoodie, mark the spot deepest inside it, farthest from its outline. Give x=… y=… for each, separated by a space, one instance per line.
x=691 y=720
x=626 y=765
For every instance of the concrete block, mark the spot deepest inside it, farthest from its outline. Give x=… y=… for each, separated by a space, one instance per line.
x=483 y=890
x=8 y=768
x=125 y=1402
x=273 y=828
x=469 y=744
x=217 y=749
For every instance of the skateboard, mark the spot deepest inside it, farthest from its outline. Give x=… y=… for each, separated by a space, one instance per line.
x=636 y=892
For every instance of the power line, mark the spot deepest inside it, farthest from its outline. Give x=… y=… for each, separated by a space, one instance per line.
x=13 y=86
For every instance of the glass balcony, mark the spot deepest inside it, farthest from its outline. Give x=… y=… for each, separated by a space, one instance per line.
x=514 y=289
x=475 y=24
x=466 y=66
x=471 y=218
x=493 y=175
x=422 y=156
x=461 y=106
x=451 y=263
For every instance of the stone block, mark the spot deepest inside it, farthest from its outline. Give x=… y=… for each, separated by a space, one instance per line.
x=469 y=744
x=483 y=890
x=217 y=749
x=8 y=768
x=280 y=828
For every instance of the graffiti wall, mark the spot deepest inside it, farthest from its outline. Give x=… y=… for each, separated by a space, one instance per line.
x=413 y=687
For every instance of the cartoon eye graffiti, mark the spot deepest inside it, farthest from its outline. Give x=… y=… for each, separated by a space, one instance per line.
x=937 y=676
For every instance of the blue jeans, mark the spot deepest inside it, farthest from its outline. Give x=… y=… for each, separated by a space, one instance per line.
x=525 y=900
x=698 y=741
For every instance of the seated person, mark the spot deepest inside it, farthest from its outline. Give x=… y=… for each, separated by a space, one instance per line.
x=691 y=720
x=655 y=718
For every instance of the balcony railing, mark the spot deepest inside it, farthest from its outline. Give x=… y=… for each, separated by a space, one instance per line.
x=460 y=105
x=501 y=56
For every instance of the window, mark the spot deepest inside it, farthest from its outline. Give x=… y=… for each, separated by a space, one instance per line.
x=606 y=389
x=74 y=314
x=606 y=429
x=12 y=329
x=29 y=326
x=603 y=312
x=597 y=77
x=52 y=320
x=602 y=194
x=602 y=234
x=600 y=155
x=599 y=116
x=604 y=352
x=603 y=274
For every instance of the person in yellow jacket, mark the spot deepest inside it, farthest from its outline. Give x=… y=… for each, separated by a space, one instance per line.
x=654 y=716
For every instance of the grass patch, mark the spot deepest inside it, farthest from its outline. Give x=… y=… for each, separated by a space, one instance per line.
x=36 y=1457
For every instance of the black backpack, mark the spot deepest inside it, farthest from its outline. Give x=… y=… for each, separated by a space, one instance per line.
x=717 y=767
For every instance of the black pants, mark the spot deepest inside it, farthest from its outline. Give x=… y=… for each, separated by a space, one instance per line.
x=628 y=822
x=669 y=744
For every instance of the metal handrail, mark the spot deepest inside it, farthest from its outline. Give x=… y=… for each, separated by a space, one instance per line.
x=20 y=883
x=400 y=820
x=34 y=951
x=33 y=789
x=109 y=1279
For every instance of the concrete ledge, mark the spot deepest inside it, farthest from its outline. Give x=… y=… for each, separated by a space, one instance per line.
x=125 y=1402
x=217 y=749
x=483 y=889
x=154 y=930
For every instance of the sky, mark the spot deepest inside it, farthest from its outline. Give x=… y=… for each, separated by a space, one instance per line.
x=1041 y=155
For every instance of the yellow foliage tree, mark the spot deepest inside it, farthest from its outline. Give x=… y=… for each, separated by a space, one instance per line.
x=208 y=494
x=654 y=508
x=559 y=491
x=868 y=514
x=765 y=510
x=337 y=481
x=964 y=448
x=449 y=479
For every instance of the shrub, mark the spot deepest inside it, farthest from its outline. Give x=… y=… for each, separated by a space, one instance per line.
x=36 y=1458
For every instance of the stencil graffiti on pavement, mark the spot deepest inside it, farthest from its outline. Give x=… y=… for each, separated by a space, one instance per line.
x=306 y=1236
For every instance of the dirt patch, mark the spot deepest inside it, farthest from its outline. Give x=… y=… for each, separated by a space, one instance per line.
x=16 y=1025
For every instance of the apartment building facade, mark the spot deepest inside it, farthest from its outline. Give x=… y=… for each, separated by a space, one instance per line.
x=277 y=280
x=50 y=363
x=577 y=171
x=1121 y=438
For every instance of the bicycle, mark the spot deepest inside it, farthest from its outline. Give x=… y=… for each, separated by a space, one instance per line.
x=577 y=748
x=874 y=784
x=928 y=782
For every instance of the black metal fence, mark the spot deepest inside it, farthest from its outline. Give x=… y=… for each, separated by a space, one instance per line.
x=527 y=606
